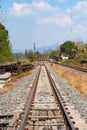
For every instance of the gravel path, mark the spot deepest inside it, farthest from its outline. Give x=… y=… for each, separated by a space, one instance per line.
x=13 y=100
x=71 y=96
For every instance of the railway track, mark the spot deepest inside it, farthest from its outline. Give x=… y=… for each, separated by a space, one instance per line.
x=44 y=109
x=73 y=67
x=5 y=121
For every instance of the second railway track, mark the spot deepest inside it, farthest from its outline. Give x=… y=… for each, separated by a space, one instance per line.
x=44 y=109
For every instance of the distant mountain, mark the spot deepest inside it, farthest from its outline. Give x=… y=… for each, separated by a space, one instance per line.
x=41 y=49
x=46 y=48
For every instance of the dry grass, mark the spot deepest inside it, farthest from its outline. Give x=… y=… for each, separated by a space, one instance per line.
x=76 y=79
x=13 y=82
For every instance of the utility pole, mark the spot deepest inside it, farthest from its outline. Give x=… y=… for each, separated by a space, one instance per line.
x=34 y=47
x=34 y=51
x=71 y=22
x=71 y=30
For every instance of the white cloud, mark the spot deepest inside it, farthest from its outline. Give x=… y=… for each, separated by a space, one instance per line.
x=43 y=7
x=31 y=9
x=42 y=10
x=50 y=19
x=41 y=4
x=60 y=21
x=80 y=9
x=81 y=5
x=79 y=18
x=20 y=9
x=45 y=13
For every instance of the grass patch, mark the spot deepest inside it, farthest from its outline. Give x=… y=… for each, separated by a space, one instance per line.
x=76 y=79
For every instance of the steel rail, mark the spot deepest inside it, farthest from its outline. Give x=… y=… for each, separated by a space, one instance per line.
x=70 y=124
x=33 y=90
x=73 y=67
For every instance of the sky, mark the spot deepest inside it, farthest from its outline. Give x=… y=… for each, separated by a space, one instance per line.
x=43 y=22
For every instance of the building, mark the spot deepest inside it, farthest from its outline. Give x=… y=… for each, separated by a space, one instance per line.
x=64 y=56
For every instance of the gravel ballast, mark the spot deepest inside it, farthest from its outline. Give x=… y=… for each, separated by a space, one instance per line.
x=15 y=99
x=70 y=95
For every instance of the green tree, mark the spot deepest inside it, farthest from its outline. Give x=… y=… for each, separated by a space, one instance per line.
x=54 y=54
x=29 y=54
x=19 y=56
x=69 y=47
x=5 y=45
x=37 y=55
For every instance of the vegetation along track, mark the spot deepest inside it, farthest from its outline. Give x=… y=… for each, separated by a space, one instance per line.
x=44 y=109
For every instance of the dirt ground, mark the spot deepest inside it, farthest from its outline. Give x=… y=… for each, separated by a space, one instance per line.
x=76 y=79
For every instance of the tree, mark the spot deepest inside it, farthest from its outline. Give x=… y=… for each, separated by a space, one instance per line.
x=29 y=54
x=5 y=45
x=19 y=56
x=37 y=55
x=69 y=47
x=54 y=54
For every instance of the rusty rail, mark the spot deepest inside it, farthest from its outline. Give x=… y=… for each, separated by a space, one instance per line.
x=32 y=93
x=60 y=102
x=29 y=101
x=73 y=67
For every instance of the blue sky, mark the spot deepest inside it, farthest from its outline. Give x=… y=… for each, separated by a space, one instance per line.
x=44 y=22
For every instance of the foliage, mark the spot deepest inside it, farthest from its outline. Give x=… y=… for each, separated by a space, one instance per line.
x=82 y=52
x=69 y=47
x=37 y=56
x=29 y=54
x=19 y=56
x=54 y=54
x=32 y=56
x=5 y=46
